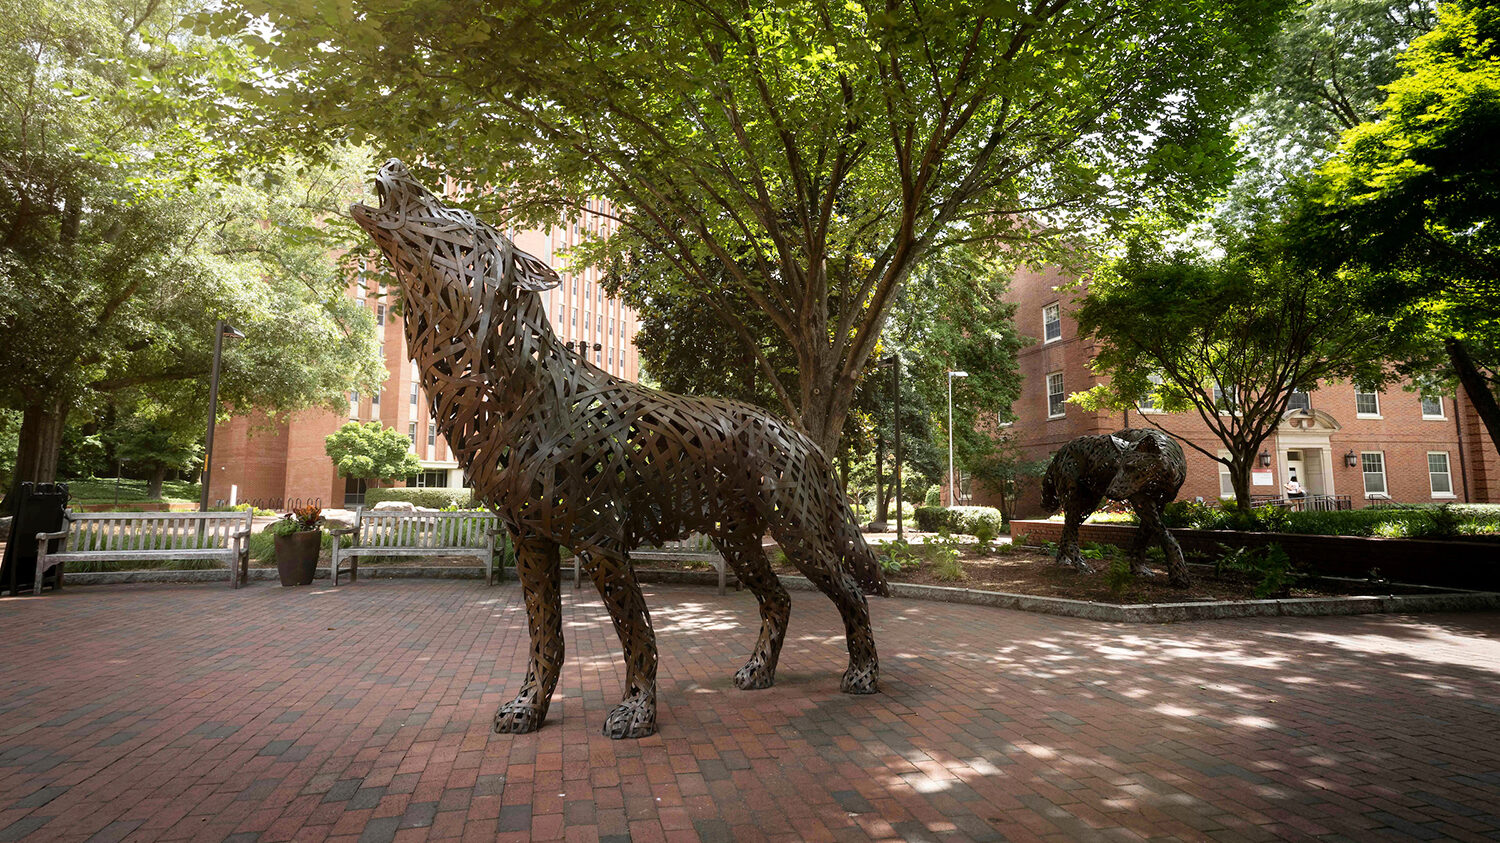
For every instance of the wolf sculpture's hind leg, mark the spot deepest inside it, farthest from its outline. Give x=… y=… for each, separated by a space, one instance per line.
x=743 y=553
x=540 y=571
x=609 y=568
x=811 y=554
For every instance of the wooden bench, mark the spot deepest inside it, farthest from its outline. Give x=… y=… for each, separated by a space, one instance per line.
x=149 y=537
x=694 y=548
x=398 y=533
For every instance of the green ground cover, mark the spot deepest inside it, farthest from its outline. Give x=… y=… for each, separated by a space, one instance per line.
x=94 y=490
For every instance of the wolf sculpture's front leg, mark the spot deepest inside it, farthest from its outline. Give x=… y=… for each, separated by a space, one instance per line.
x=539 y=568
x=635 y=716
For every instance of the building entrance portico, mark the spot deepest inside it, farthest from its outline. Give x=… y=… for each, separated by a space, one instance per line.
x=1304 y=450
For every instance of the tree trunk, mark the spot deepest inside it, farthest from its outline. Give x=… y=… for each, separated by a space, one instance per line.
x=1476 y=387
x=153 y=483
x=40 y=441
x=1239 y=475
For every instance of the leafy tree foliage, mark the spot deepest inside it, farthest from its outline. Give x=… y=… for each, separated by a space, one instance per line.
x=371 y=451
x=119 y=250
x=155 y=447
x=1229 y=337
x=801 y=156
x=1411 y=203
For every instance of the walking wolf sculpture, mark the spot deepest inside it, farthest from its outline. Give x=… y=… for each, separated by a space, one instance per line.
x=1144 y=467
x=568 y=455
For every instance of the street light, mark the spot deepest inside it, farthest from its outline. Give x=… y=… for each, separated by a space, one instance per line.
x=894 y=361
x=223 y=330
x=952 y=483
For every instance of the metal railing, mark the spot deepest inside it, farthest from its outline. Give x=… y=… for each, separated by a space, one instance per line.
x=1310 y=503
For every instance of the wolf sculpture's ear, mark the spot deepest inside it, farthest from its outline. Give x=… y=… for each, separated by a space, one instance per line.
x=1119 y=443
x=531 y=273
x=1149 y=445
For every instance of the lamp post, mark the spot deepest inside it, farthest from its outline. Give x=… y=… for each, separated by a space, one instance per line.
x=894 y=361
x=952 y=482
x=223 y=330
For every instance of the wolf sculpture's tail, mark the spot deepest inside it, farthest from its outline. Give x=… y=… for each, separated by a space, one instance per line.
x=855 y=553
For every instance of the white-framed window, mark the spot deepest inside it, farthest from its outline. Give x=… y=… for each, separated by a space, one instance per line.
x=1002 y=421
x=375 y=401
x=1148 y=402
x=414 y=394
x=1299 y=400
x=1366 y=404
x=411 y=433
x=1224 y=398
x=1432 y=407
x=431 y=432
x=353 y=405
x=379 y=314
x=1372 y=464
x=1439 y=476
x=1051 y=322
x=1226 y=482
x=1056 y=398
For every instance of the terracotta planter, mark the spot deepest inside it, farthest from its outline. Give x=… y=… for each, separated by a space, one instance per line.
x=297 y=556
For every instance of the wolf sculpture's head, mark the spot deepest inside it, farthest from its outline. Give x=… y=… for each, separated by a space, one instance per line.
x=445 y=257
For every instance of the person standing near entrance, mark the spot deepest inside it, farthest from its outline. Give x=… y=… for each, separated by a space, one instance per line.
x=1294 y=489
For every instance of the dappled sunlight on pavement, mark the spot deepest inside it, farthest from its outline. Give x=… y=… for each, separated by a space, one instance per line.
x=197 y=712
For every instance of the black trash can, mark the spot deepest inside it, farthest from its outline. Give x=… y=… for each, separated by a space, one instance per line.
x=39 y=509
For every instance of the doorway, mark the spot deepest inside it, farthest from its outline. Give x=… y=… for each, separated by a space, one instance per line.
x=1306 y=466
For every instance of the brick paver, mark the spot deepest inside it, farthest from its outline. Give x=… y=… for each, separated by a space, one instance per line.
x=363 y=714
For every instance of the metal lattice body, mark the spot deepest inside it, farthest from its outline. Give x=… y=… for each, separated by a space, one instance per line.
x=569 y=455
x=1143 y=467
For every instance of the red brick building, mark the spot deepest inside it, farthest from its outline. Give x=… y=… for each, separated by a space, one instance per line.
x=256 y=459
x=1393 y=445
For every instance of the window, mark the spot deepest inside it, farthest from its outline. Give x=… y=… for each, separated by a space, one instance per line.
x=1224 y=399
x=586 y=325
x=1438 y=475
x=354 y=492
x=379 y=314
x=1299 y=400
x=428 y=480
x=1056 y=408
x=353 y=405
x=411 y=433
x=375 y=401
x=414 y=395
x=1373 y=465
x=1051 y=322
x=1366 y=404
x=1432 y=407
x=431 y=432
x=1148 y=402
x=1226 y=482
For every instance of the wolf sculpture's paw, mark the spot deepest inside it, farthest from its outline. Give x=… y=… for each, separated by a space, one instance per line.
x=756 y=675
x=518 y=717
x=633 y=718
x=861 y=680
x=1073 y=559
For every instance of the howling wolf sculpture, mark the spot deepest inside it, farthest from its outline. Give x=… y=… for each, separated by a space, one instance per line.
x=568 y=455
x=1144 y=467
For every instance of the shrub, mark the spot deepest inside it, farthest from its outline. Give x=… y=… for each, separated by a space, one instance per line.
x=930 y=519
x=934 y=496
x=959 y=519
x=1268 y=567
x=1119 y=576
x=985 y=532
x=427 y=498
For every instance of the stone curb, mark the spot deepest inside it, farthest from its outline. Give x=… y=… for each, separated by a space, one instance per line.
x=1475 y=601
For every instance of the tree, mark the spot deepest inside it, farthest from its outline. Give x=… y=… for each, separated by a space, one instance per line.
x=1411 y=203
x=370 y=451
x=1331 y=62
x=120 y=250
x=803 y=155
x=148 y=444
x=1230 y=337
x=1004 y=470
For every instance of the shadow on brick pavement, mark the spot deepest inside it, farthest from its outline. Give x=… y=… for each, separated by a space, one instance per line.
x=363 y=713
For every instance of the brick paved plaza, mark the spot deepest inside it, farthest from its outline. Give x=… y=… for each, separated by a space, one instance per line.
x=363 y=713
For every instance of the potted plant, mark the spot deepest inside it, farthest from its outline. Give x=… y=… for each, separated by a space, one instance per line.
x=299 y=538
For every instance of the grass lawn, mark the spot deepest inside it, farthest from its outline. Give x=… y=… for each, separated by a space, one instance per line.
x=102 y=490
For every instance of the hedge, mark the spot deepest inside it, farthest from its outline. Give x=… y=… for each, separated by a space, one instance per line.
x=958 y=519
x=427 y=498
x=1406 y=521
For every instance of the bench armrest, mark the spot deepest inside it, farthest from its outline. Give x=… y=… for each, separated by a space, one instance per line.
x=241 y=533
x=50 y=536
x=344 y=531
